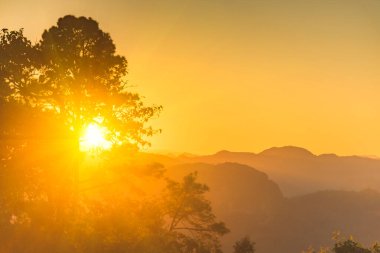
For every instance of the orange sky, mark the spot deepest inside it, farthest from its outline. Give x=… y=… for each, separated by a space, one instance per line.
x=242 y=75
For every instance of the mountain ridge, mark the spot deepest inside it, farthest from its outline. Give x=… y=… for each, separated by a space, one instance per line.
x=299 y=171
x=252 y=204
x=275 y=148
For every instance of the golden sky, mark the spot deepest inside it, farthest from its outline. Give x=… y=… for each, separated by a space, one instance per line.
x=242 y=75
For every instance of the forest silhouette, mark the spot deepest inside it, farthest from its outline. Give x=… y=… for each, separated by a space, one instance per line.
x=73 y=177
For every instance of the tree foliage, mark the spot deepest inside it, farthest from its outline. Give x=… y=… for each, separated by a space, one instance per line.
x=244 y=245
x=190 y=216
x=346 y=245
x=349 y=246
x=74 y=71
x=18 y=63
x=52 y=197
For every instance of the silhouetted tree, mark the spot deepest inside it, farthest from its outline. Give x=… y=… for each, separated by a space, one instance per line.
x=349 y=246
x=18 y=65
x=343 y=245
x=190 y=216
x=244 y=245
x=75 y=72
x=49 y=91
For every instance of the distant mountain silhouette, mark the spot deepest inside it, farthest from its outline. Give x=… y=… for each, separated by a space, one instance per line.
x=286 y=151
x=252 y=204
x=298 y=171
x=287 y=199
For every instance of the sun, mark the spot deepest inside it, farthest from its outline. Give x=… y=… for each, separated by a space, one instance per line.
x=94 y=138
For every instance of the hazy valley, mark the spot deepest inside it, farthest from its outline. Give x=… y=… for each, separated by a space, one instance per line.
x=287 y=199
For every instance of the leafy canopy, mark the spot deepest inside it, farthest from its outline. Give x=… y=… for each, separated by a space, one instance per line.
x=244 y=245
x=74 y=71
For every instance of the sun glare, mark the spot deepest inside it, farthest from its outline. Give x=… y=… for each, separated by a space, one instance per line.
x=94 y=138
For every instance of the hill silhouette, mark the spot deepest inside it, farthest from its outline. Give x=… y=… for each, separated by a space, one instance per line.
x=287 y=199
x=252 y=204
x=298 y=171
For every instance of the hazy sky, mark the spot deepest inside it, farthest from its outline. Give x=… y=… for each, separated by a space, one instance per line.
x=242 y=75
